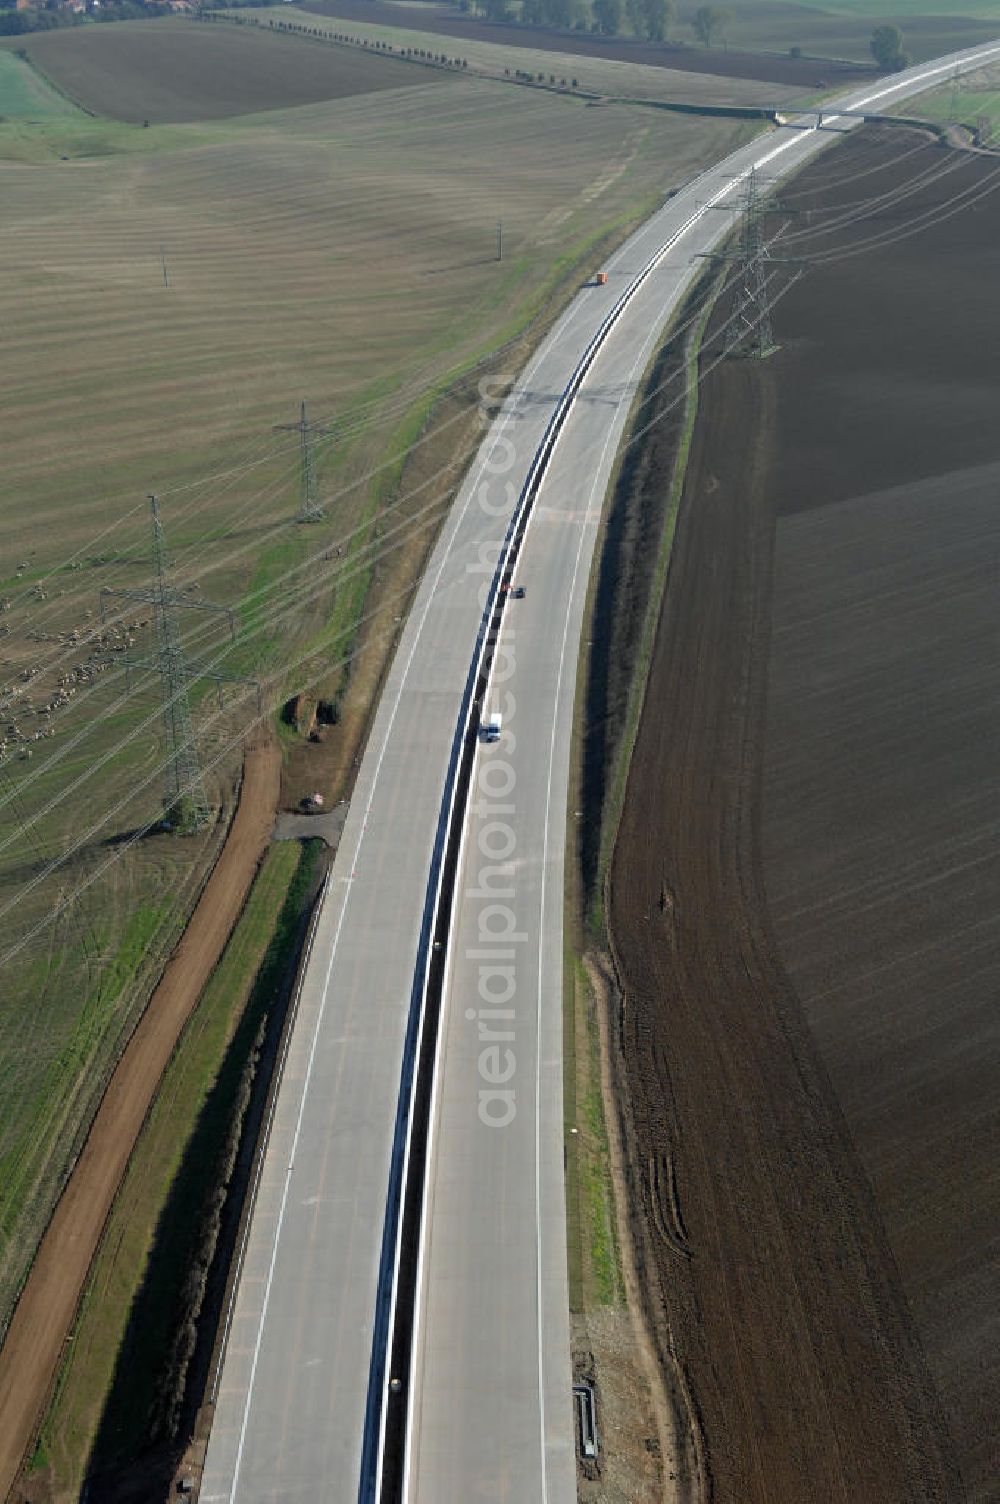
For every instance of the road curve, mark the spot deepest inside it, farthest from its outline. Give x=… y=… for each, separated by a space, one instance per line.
x=304 y=1375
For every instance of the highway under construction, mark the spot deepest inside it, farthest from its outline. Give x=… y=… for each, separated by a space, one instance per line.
x=399 y=1233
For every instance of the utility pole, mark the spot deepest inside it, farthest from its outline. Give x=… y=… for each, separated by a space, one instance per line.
x=184 y=800
x=163 y=263
x=953 y=108
x=309 y=508
x=499 y=239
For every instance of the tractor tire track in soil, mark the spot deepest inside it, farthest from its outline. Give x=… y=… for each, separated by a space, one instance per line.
x=47 y=1306
x=788 y=1316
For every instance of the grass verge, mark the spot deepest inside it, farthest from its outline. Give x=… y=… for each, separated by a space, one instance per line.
x=595 y=1270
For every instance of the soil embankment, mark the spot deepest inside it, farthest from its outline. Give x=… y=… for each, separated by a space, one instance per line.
x=782 y=1278
x=48 y=1302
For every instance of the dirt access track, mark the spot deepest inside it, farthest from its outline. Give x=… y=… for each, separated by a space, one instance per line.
x=807 y=1088
x=45 y=1311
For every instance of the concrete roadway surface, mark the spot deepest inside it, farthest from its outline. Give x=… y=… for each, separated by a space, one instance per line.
x=490 y=1390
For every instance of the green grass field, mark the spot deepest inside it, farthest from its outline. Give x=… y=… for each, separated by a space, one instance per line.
x=843 y=28
x=899 y=11
x=975 y=98
x=26 y=96
x=167 y=296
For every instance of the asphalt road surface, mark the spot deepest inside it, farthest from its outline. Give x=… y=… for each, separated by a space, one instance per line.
x=490 y=1388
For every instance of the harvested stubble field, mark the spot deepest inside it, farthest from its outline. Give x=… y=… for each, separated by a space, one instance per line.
x=803 y=896
x=167 y=295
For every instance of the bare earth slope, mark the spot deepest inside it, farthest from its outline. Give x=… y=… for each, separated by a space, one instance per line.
x=819 y=1172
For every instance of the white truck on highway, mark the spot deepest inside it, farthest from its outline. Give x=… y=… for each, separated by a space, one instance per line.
x=491 y=730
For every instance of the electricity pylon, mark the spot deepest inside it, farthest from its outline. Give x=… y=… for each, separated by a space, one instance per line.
x=750 y=331
x=309 y=507
x=184 y=800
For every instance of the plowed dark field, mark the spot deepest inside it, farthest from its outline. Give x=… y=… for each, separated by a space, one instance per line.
x=804 y=893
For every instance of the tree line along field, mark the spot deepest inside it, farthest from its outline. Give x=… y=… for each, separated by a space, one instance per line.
x=599 y=67
x=167 y=296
